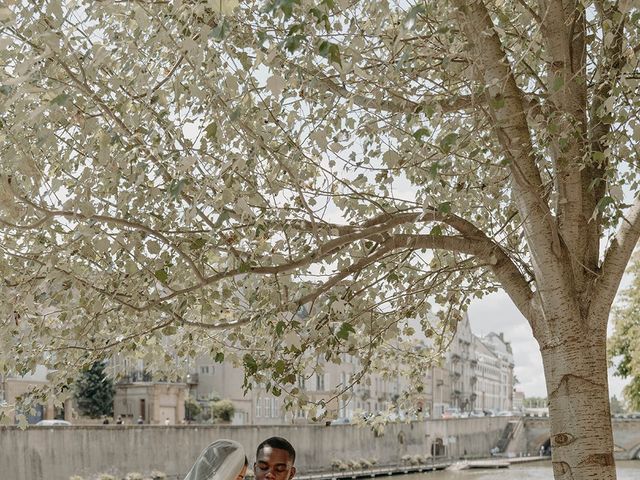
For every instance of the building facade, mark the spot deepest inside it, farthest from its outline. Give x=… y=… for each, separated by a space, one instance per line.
x=501 y=383
x=12 y=387
x=140 y=398
x=258 y=407
x=518 y=401
x=476 y=373
x=155 y=403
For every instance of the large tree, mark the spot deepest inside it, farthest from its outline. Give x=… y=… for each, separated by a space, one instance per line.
x=202 y=171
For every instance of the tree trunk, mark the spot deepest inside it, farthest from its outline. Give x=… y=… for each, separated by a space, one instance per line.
x=576 y=375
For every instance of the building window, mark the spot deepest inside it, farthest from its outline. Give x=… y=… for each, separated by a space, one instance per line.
x=258 y=407
x=319 y=382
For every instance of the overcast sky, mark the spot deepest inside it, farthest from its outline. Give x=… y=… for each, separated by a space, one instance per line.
x=496 y=313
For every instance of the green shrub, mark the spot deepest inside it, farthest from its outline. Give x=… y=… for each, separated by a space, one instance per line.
x=222 y=410
x=191 y=409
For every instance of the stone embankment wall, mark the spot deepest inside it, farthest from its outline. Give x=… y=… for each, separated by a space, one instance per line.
x=626 y=436
x=56 y=453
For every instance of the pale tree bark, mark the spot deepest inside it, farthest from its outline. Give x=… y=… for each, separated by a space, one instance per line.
x=575 y=370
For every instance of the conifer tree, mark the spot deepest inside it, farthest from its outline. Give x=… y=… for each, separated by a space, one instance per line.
x=94 y=392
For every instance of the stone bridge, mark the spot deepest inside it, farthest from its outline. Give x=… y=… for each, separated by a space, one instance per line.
x=626 y=437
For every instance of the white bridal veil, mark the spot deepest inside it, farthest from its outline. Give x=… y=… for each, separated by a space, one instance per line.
x=222 y=460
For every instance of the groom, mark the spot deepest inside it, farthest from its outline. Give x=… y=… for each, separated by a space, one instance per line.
x=274 y=460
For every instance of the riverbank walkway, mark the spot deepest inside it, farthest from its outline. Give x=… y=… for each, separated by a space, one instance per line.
x=488 y=463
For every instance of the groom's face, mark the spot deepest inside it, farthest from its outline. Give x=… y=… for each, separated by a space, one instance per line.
x=273 y=464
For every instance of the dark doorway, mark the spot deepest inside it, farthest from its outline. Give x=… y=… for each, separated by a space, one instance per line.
x=143 y=409
x=437 y=448
x=545 y=448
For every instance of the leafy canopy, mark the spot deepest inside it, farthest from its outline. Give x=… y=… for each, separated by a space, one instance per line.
x=263 y=180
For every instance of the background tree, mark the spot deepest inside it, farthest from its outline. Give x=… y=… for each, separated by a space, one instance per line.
x=624 y=344
x=192 y=409
x=94 y=392
x=222 y=410
x=199 y=172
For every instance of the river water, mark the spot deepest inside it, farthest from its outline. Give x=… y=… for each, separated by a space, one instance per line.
x=627 y=470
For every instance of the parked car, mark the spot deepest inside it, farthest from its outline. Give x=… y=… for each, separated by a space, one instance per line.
x=452 y=412
x=507 y=413
x=53 y=423
x=340 y=421
x=476 y=412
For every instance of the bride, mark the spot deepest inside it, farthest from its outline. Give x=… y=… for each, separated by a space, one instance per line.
x=222 y=460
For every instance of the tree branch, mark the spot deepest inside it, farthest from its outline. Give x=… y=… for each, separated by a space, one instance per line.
x=564 y=27
x=594 y=182
x=476 y=242
x=337 y=278
x=505 y=100
x=502 y=267
x=447 y=105
x=115 y=221
x=531 y=12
